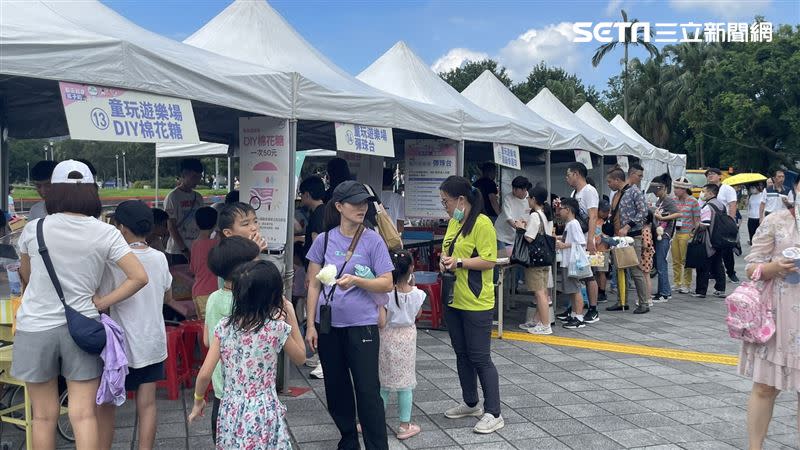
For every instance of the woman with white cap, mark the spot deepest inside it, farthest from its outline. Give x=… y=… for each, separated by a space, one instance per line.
x=80 y=247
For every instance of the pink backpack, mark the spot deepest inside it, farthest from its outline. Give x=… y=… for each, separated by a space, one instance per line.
x=749 y=316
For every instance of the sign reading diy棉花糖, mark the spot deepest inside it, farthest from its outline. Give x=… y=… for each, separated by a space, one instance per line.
x=374 y=141
x=264 y=174
x=101 y=113
x=428 y=163
x=507 y=155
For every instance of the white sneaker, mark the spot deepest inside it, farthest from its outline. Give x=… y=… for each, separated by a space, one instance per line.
x=317 y=373
x=541 y=329
x=313 y=361
x=489 y=424
x=683 y=290
x=463 y=410
x=528 y=325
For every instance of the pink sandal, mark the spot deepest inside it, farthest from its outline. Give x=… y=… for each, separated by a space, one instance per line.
x=405 y=433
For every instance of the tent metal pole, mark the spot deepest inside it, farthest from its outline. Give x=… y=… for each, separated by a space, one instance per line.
x=216 y=173
x=230 y=174
x=156 y=200
x=554 y=269
x=5 y=154
x=288 y=250
x=460 y=158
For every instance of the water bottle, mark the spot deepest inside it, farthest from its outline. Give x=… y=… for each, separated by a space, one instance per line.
x=585 y=296
x=14 y=283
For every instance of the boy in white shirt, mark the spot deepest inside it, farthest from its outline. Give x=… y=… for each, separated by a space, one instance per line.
x=140 y=317
x=573 y=234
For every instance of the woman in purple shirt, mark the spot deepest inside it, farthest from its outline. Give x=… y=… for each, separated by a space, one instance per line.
x=343 y=318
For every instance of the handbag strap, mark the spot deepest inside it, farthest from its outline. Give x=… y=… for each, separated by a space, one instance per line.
x=453 y=242
x=48 y=263
x=350 y=250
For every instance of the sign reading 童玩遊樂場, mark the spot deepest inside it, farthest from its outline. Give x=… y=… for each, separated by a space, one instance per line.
x=367 y=140
x=101 y=113
x=428 y=163
x=264 y=174
x=507 y=155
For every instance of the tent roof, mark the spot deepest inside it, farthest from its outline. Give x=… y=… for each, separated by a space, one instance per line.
x=253 y=31
x=403 y=73
x=190 y=150
x=492 y=95
x=594 y=119
x=87 y=42
x=548 y=106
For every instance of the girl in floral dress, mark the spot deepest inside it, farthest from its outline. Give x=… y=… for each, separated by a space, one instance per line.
x=775 y=365
x=247 y=343
x=398 y=351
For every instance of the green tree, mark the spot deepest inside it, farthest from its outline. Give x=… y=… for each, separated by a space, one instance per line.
x=463 y=76
x=567 y=87
x=653 y=107
x=630 y=40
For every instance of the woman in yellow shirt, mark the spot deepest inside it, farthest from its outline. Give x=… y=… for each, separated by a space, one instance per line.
x=470 y=251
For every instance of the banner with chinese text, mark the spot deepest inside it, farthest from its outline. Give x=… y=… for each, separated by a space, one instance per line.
x=507 y=155
x=428 y=163
x=375 y=141
x=100 y=113
x=264 y=174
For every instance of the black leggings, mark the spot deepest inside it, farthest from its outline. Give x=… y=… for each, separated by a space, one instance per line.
x=346 y=352
x=471 y=336
x=752 y=226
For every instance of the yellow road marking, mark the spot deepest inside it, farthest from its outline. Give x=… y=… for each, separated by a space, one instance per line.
x=643 y=350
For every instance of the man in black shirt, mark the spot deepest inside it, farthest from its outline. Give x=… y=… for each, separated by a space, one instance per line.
x=312 y=191
x=487 y=186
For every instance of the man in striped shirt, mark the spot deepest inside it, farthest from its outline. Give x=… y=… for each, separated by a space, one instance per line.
x=689 y=209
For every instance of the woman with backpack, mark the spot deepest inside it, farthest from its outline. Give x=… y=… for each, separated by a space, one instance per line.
x=775 y=365
x=712 y=268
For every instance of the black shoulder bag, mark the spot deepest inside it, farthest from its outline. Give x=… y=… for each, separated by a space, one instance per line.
x=543 y=248
x=325 y=310
x=448 y=277
x=88 y=334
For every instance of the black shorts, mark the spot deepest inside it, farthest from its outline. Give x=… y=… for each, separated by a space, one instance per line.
x=143 y=375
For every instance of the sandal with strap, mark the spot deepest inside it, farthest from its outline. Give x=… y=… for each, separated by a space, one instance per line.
x=405 y=433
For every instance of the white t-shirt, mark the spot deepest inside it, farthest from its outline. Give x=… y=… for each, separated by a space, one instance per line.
x=181 y=206
x=573 y=235
x=754 y=205
x=141 y=316
x=406 y=314
x=587 y=199
x=394 y=205
x=727 y=194
x=772 y=200
x=80 y=247
x=38 y=211
x=534 y=224
x=513 y=208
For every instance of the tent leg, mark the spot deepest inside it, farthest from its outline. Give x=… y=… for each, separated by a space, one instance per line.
x=554 y=269
x=216 y=173
x=230 y=174
x=460 y=159
x=156 y=200
x=5 y=155
x=288 y=251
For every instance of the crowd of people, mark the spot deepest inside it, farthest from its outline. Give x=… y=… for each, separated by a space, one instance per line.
x=357 y=304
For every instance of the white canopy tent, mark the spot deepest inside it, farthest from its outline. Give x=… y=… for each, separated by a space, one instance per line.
x=594 y=119
x=253 y=31
x=401 y=72
x=190 y=150
x=662 y=162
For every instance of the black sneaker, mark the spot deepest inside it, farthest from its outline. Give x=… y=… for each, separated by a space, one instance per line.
x=641 y=309
x=564 y=316
x=574 y=323
x=617 y=307
x=601 y=297
x=591 y=316
x=697 y=295
x=733 y=278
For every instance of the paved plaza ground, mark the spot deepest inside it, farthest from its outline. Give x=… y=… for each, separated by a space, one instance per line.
x=554 y=396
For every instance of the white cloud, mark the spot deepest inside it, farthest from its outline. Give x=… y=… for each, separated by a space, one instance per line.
x=613 y=7
x=456 y=58
x=552 y=45
x=724 y=8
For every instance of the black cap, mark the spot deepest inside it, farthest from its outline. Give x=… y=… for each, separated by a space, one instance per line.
x=713 y=170
x=351 y=192
x=136 y=216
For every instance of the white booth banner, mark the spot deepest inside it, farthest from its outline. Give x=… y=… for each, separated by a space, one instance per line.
x=100 y=113
x=622 y=161
x=375 y=141
x=428 y=163
x=583 y=156
x=507 y=155
x=264 y=174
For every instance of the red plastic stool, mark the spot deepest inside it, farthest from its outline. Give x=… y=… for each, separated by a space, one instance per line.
x=435 y=314
x=176 y=367
x=192 y=337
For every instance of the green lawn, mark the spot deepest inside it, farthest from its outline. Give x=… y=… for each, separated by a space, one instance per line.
x=20 y=193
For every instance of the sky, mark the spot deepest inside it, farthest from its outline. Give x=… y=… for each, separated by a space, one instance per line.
x=519 y=34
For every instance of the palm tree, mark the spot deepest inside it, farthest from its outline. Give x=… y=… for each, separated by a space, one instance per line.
x=653 y=110
x=629 y=40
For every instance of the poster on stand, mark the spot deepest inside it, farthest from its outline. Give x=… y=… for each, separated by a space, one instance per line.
x=365 y=140
x=428 y=163
x=583 y=156
x=100 y=113
x=264 y=174
x=507 y=155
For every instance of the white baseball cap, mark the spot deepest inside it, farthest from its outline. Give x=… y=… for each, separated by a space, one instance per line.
x=64 y=168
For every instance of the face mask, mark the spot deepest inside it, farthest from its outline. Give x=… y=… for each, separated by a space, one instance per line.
x=458 y=214
x=753 y=191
